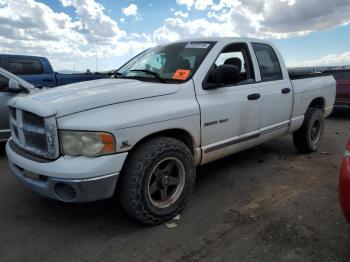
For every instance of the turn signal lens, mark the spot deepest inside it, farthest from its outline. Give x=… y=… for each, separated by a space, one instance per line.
x=108 y=143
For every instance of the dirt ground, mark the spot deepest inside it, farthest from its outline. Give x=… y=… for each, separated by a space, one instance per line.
x=265 y=204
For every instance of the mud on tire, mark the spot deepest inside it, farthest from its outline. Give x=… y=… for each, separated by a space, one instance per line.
x=150 y=168
x=307 y=139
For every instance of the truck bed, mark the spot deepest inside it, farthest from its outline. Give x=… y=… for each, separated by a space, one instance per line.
x=308 y=88
x=303 y=75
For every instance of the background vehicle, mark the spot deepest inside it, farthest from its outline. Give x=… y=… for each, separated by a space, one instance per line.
x=38 y=71
x=167 y=110
x=344 y=183
x=342 y=76
x=10 y=85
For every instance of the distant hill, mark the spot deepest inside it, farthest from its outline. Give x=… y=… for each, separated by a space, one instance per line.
x=316 y=69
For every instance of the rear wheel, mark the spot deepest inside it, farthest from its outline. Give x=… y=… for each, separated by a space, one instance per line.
x=307 y=139
x=157 y=181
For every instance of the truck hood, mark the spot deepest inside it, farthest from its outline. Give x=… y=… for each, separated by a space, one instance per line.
x=73 y=98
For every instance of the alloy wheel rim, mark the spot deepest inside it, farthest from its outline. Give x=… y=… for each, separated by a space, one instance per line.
x=166 y=182
x=316 y=130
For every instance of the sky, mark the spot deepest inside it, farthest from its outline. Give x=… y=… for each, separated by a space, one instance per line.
x=104 y=34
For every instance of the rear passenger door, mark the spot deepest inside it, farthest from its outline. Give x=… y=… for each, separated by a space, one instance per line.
x=32 y=70
x=276 y=93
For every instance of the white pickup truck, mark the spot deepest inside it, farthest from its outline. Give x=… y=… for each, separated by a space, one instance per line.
x=141 y=133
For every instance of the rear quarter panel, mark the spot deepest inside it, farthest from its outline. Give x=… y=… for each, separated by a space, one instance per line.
x=308 y=89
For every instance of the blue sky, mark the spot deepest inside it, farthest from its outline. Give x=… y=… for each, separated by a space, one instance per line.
x=72 y=33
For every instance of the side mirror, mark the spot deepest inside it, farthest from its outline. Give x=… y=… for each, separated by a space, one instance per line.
x=221 y=76
x=226 y=75
x=14 y=86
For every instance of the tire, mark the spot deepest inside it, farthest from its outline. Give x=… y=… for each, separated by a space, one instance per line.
x=307 y=139
x=148 y=172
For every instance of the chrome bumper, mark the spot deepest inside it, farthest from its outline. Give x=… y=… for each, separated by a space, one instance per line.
x=68 y=190
x=67 y=179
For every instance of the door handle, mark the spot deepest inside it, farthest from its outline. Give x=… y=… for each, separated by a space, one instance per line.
x=286 y=90
x=254 y=96
x=47 y=80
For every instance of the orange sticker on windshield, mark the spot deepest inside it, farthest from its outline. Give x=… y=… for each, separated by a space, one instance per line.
x=181 y=74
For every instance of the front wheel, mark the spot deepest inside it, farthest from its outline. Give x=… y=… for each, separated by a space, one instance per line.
x=157 y=181
x=307 y=139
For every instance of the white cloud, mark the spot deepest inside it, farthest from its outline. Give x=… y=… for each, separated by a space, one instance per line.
x=197 y=4
x=176 y=28
x=273 y=18
x=328 y=60
x=181 y=14
x=94 y=23
x=187 y=3
x=203 y=4
x=130 y=10
x=33 y=28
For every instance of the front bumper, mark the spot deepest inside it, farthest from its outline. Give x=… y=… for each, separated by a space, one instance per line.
x=68 y=179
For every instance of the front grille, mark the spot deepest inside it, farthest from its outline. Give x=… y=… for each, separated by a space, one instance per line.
x=34 y=140
x=33 y=120
x=34 y=134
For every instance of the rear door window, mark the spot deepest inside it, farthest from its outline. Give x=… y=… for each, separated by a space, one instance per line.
x=24 y=66
x=270 y=68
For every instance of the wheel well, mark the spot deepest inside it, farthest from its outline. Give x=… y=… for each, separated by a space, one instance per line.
x=178 y=134
x=318 y=102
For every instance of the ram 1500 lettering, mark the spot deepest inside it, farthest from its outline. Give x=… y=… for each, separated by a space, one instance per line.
x=176 y=106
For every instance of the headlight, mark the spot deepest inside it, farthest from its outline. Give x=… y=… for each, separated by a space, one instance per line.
x=76 y=143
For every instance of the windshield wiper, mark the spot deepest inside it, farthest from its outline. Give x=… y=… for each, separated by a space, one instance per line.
x=156 y=75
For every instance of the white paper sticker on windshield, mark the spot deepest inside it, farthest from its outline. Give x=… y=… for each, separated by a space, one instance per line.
x=197 y=45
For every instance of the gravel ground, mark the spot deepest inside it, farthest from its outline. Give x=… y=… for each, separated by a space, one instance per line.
x=265 y=204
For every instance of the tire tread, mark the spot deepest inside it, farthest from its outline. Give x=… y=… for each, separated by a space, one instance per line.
x=130 y=192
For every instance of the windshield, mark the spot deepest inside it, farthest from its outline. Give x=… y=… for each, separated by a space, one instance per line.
x=169 y=63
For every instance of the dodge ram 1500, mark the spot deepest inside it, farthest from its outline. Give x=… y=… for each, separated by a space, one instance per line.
x=176 y=106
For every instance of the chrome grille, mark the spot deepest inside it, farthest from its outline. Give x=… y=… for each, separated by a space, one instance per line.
x=33 y=133
x=34 y=120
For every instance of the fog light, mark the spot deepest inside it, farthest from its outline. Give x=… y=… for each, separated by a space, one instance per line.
x=65 y=192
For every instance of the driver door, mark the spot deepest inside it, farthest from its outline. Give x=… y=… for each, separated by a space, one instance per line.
x=230 y=112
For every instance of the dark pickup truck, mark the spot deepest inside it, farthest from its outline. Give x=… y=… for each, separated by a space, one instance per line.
x=38 y=71
x=342 y=76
